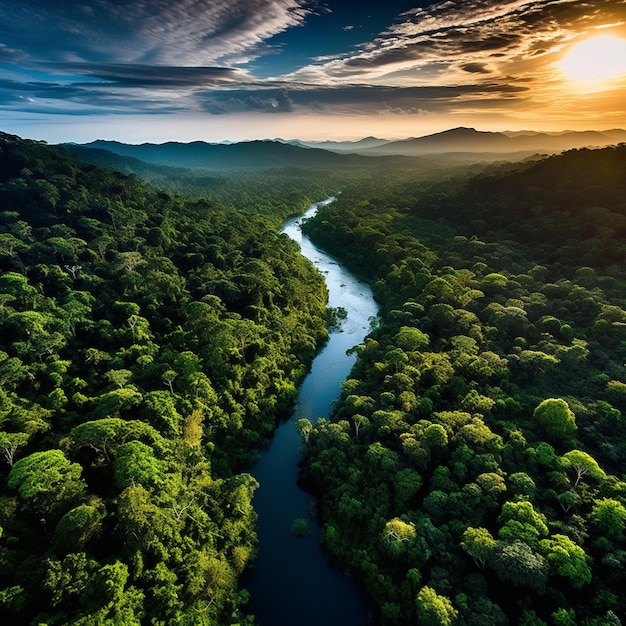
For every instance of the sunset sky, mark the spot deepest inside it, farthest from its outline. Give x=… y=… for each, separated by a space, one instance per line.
x=214 y=70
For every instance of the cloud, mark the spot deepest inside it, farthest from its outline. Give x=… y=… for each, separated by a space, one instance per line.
x=164 y=56
x=86 y=98
x=185 y=32
x=441 y=41
x=475 y=68
x=355 y=99
x=134 y=75
x=133 y=90
x=280 y=102
x=9 y=55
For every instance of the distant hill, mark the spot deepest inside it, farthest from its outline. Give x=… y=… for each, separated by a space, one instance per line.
x=112 y=160
x=249 y=154
x=470 y=140
x=346 y=146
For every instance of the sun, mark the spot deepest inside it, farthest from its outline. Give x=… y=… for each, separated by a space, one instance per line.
x=595 y=59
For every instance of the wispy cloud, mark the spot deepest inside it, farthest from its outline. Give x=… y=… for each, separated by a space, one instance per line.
x=447 y=40
x=120 y=74
x=185 y=32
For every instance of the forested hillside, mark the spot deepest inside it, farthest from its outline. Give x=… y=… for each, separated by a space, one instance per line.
x=473 y=472
x=148 y=344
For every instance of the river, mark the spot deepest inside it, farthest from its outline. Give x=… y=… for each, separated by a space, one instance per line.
x=292 y=583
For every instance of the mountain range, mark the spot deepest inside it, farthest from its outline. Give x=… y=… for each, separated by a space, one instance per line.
x=470 y=140
x=245 y=154
x=457 y=144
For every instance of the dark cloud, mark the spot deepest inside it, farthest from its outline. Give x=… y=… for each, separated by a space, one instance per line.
x=475 y=68
x=359 y=99
x=280 y=102
x=449 y=44
x=41 y=89
x=77 y=99
x=9 y=97
x=151 y=75
x=283 y=101
x=495 y=41
x=571 y=14
x=389 y=56
x=238 y=101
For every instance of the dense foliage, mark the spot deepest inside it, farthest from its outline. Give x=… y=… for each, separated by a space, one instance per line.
x=270 y=191
x=473 y=472
x=148 y=344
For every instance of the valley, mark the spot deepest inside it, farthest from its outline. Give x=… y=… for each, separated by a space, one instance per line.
x=155 y=336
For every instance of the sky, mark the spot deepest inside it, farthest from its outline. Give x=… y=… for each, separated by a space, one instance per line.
x=230 y=70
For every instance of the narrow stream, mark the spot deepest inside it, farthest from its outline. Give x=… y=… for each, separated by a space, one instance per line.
x=292 y=583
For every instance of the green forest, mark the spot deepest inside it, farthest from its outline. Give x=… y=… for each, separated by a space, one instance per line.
x=150 y=343
x=473 y=471
x=154 y=328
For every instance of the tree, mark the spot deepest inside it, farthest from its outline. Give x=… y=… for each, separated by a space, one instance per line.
x=566 y=559
x=397 y=359
x=433 y=609
x=113 y=402
x=159 y=410
x=78 y=527
x=492 y=484
x=564 y=617
x=48 y=481
x=555 y=418
x=301 y=527
x=65 y=580
x=358 y=421
x=119 y=377
x=10 y=443
x=582 y=464
x=108 y=598
x=520 y=520
x=193 y=430
x=609 y=517
x=518 y=564
x=479 y=544
x=521 y=484
x=304 y=427
x=397 y=531
x=436 y=437
x=135 y=463
x=407 y=483
x=475 y=402
x=411 y=339
x=103 y=437
x=18 y=286
x=168 y=379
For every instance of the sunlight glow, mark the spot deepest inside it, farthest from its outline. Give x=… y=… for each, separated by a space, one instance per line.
x=595 y=59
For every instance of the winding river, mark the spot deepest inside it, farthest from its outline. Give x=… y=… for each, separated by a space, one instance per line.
x=292 y=583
